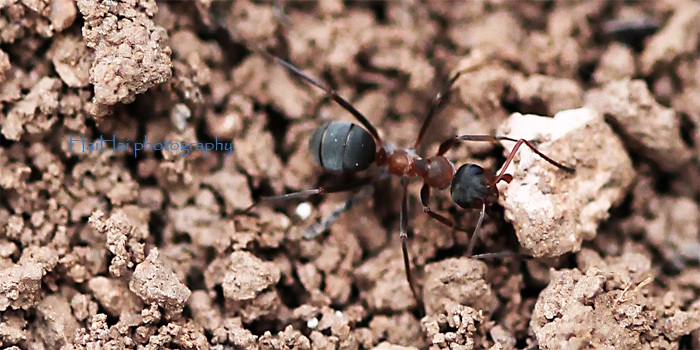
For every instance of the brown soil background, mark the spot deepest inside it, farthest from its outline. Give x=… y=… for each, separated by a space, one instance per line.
x=113 y=250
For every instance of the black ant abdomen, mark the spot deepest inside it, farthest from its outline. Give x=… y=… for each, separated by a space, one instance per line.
x=343 y=147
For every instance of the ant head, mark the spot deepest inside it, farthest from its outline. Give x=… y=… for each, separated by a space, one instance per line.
x=340 y=146
x=472 y=186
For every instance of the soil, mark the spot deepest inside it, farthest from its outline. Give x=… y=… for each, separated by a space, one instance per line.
x=105 y=245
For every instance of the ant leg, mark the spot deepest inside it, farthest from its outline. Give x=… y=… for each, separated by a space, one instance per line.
x=404 y=236
x=312 y=192
x=434 y=106
x=449 y=143
x=452 y=141
x=437 y=102
x=316 y=229
x=278 y=11
x=425 y=201
x=518 y=143
x=475 y=235
x=499 y=255
x=425 y=198
x=330 y=92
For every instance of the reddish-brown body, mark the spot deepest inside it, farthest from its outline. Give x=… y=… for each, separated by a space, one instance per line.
x=436 y=171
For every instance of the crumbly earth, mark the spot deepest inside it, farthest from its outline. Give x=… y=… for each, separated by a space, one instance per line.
x=119 y=247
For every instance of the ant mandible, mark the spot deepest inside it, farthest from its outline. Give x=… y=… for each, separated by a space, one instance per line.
x=344 y=147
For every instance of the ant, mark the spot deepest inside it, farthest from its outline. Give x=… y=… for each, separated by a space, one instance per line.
x=344 y=147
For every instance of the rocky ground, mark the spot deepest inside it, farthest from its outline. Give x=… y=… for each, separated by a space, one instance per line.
x=147 y=248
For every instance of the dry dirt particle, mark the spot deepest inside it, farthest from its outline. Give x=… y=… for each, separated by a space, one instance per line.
x=63 y=14
x=184 y=335
x=71 y=59
x=617 y=63
x=383 y=282
x=453 y=329
x=389 y=346
x=20 y=284
x=334 y=329
x=57 y=325
x=204 y=313
x=479 y=91
x=554 y=211
x=673 y=228
x=678 y=37
x=12 y=328
x=97 y=335
x=247 y=276
x=647 y=126
x=130 y=51
x=117 y=300
x=35 y=113
x=232 y=187
x=457 y=281
x=4 y=65
x=546 y=94
x=240 y=337
x=479 y=34
x=158 y=285
x=683 y=322
x=401 y=329
x=287 y=339
x=203 y=225
x=605 y=306
x=124 y=239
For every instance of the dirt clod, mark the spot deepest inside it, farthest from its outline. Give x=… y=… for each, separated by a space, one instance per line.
x=457 y=281
x=156 y=284
x=130 y=51
x=647 y=126
x=678 y=37
x=35 y=113
x=124 y=240
x=389 y=346
x=454 y=328
x=614 y=291
x=20 y=283
x=72 y=61
x=59 y=324
x=552 y=211
x=247 y=276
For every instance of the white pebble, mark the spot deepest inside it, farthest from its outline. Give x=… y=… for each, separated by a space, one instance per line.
x=312 y=323
x=303 y=210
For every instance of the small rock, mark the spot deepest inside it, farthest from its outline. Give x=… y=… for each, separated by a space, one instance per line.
x=247 y=276
x=545 y=94
x=58 y=323
x=156 y=284
x=602 y=308
x=455 y=328
x=678 y=37
x=457 y=281
x=646 y=126
x=554 y=211
x=71 y=59
x=389 y=346
x=20 y=284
